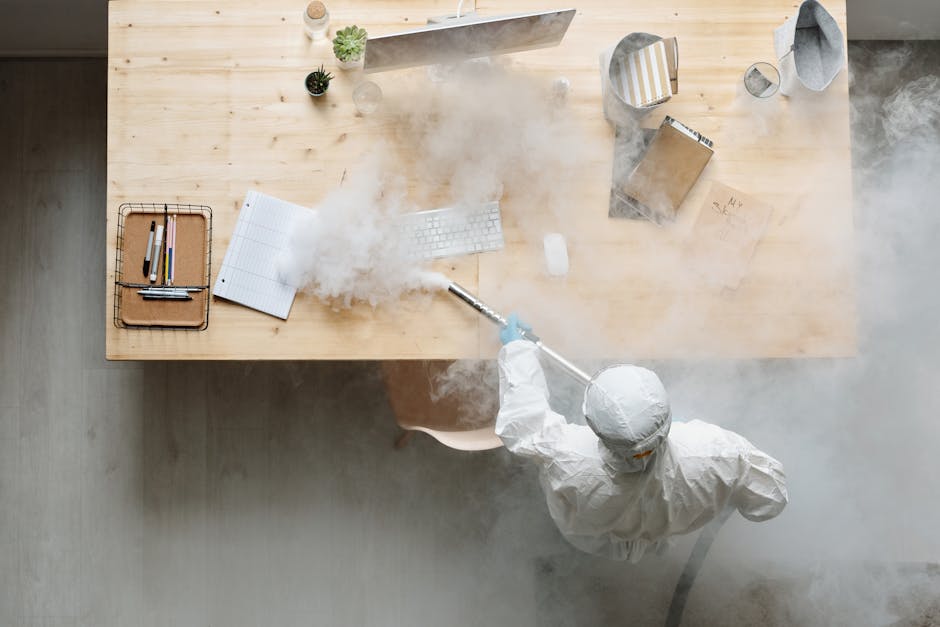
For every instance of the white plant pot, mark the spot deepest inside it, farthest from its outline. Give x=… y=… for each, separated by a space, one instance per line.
x=349 y=65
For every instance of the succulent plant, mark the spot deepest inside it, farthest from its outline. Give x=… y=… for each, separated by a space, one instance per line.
x=318 y=81
x=350 y=43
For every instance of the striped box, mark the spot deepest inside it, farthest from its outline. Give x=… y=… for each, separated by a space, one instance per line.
x=642 y=79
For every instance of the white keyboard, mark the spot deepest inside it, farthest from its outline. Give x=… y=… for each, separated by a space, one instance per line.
x=454 y=231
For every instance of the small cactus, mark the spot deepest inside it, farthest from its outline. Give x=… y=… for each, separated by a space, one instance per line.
x=318 y=82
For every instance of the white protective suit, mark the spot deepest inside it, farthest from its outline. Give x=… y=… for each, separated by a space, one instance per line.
x=620 y=507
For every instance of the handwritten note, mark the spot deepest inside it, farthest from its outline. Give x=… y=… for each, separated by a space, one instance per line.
x=725 y=236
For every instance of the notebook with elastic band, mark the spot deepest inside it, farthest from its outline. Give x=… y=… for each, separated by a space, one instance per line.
x=666 y=171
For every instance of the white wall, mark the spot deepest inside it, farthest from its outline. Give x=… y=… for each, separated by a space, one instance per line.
x=893 y=19
x=79 y=27
x=53 y=27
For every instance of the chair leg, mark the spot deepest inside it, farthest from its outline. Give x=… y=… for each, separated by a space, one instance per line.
x=402 y=440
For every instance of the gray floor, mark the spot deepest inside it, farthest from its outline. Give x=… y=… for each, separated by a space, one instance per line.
x=268 y=494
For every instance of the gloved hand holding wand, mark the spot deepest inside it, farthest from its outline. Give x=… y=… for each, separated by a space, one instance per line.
x=518 y=330
x=514 y=330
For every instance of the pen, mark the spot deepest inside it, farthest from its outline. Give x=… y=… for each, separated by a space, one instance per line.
x=173 y=259
x=153 y=224
x=167 y=294
x=158 y=246
x=170 y=249
x=168 y=290
x=165 y=297
x=166 y=234
x=166 y=260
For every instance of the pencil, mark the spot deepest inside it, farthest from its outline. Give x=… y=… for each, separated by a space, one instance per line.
x=172 y=254
x=166 y=262
x=166 y=223
x=169 y=252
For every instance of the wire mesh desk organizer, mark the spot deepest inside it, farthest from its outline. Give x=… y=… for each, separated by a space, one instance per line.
x=135 y=306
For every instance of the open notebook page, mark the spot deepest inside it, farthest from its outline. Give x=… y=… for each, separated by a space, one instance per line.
x=250 y=270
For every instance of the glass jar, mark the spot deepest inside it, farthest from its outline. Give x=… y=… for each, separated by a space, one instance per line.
x=316 y=20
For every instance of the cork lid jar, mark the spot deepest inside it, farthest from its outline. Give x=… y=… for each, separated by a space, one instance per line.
x=316 y=20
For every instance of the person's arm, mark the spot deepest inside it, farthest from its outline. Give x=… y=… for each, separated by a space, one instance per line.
x=762 y=492
x=525 y=423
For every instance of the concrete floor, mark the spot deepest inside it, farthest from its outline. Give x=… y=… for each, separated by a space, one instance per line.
x=231 y=494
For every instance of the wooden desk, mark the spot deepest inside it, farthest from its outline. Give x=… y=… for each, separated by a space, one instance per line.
x=206 y=101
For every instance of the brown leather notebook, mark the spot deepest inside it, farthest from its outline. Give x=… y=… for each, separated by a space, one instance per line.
x=190 y=255
x=667 y=171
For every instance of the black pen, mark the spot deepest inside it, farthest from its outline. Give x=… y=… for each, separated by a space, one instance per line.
x=165 y=297
x=153 y=224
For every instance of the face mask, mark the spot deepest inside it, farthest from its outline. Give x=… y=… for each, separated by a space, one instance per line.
x=627 y=460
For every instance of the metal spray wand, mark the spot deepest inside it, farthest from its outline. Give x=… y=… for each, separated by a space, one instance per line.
x=496 y=317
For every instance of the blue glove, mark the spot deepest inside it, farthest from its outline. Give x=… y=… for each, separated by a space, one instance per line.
x=513 y=329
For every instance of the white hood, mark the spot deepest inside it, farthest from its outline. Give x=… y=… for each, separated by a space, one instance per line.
x=628 y=409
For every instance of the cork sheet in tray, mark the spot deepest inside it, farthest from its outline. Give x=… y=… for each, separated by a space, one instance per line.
x=192 y=270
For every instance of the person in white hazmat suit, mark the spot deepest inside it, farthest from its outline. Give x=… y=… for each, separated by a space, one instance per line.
x=622 y=485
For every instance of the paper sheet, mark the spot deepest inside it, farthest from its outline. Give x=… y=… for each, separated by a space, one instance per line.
x=250 y=274
x=725 y=236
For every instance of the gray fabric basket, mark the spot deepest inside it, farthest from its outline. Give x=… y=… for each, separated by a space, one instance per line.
x=810 y=48
x=616 y=110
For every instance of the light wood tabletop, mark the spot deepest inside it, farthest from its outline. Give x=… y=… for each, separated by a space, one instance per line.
x=206 y=102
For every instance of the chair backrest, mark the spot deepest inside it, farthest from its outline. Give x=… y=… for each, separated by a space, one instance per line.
x=424 y=398
x=475 y=440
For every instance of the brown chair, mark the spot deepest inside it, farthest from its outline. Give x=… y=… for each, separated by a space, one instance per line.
x=453 y=404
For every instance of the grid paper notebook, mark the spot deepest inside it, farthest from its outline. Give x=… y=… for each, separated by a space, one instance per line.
x=249 y=274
